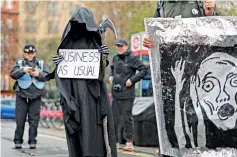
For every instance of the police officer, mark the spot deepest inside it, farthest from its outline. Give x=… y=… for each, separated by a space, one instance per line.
x=29 y=73
x=123 y=77
x=182 y=9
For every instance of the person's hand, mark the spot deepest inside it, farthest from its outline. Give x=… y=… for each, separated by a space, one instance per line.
x=128 y=83
x=57 y=59
x=110 y=79
x=34 y=73
x=104 y=49
x=147 y=42
x=27 y=69
x=209 y=6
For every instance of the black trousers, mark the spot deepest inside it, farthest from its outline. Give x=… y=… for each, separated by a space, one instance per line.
x=24 y=107
x=122 y=115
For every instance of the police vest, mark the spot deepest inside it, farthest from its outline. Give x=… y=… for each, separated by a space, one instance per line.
x=26 y=80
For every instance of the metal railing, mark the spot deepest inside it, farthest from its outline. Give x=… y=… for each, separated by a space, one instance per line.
x=51 y=114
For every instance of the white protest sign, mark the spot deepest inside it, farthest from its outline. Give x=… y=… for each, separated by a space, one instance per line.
x=79 y=63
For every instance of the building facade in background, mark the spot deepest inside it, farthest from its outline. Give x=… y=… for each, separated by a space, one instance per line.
x=9 y=43
x=42 y=23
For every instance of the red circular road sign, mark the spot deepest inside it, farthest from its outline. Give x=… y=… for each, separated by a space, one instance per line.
x=136 y=42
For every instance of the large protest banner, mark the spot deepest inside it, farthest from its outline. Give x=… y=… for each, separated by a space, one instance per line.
x=194 y=74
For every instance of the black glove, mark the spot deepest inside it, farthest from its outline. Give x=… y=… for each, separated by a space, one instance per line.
x=57 y=59
x=104 y=49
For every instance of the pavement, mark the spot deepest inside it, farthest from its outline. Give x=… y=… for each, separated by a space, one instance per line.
x=51 y=143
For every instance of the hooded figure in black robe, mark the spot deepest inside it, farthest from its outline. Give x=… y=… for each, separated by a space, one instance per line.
x=84 y=101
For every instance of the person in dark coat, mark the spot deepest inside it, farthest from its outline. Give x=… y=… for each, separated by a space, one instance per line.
x=182 y=9
x=123 y=77
x=84 y=101
x=29 y=72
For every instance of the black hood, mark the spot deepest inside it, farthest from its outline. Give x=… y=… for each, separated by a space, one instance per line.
x=82 y=24
x=81 y=21
x=83 y=15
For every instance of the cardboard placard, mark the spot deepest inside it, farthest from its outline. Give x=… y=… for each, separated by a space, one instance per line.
x=79 y=63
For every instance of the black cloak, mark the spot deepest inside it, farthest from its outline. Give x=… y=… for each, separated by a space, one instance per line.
x=85 y=101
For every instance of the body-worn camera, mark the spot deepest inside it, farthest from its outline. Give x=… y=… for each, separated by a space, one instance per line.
x=117 y=87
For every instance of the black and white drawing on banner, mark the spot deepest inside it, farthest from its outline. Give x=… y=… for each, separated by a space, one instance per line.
x=213 y=91
x=194 y=73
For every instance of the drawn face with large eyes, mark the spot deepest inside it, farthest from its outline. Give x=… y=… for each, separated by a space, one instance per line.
x=217 y=89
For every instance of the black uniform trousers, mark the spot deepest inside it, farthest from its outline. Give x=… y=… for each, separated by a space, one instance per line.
x=123 y=119
x=24 y=107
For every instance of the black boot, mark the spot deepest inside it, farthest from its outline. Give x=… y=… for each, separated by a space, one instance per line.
x=32 y=146
x=18 y=146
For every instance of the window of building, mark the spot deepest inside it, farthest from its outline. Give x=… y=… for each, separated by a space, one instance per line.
x=6 y=82
x=2 y=59
x=5 y=59
x=30 y=26
x=116 y=11
x=2 y=43
x=1 y=3
x=2 y=82
x=2 y=27
x=74 y=8
x=52 y=8
x=7 y=40
x=30 y=6
x=9 y=4
x=29 y=41
x=118 y=31
x=93 y=10
x=52 y=27
x=104 y=16
x=9 y=23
